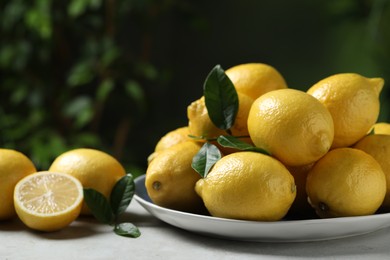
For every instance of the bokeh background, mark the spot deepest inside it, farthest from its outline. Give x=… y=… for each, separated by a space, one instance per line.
x=116 y=75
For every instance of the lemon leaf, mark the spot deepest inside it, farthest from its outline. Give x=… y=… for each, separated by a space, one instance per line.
x=127 y=230
x=207 y=156
x=99 y=206
x=121 y=194
x=221 y=98
x=234 y=142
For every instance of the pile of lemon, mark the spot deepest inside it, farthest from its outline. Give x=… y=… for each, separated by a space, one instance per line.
x=327 y=154
x=51 y=200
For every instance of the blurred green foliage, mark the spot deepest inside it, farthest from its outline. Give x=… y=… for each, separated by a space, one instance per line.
x=69 y=79
x=116 y=75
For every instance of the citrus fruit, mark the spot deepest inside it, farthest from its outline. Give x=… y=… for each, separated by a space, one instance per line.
x=378 y=146
x=255 y=79
x=248 y=186
x=93 y=168
x=171 y=138
x=48 y=201
x=381 y=128
x=291 y=125
x=200 y=124
x=353 y=101
x=346 y=182
x=170 y=179
x=13 y=167
x=300 y=208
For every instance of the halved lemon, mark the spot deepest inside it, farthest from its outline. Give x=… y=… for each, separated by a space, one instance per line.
x=48 y=201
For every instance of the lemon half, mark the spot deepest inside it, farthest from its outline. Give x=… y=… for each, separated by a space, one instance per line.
x=48 y=201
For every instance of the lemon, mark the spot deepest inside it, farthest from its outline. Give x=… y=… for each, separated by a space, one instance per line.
x=291 y=125
x=300 y=208
x=248 y=186
x=93 y=168
x=48 y=201
x=346 y=182
x=170 y=179
x=255 y=79
x=13 y=167
x=171 y=138
x=381 y=128
x=378 y=146
x=353 y=101
x=200 y=124
x=240 y=126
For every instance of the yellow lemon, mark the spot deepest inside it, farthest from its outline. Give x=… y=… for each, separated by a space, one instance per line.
x=170 y=179
x=381 y=128
x=200 y=124
x=255 y=79
x=378 y=146
x=249 y=186
x=13 y=167
x=94 y=169
x=301 y=208
x=346 y=182
x=48 y=201
x=291 y=125
x=171 y=138
x=353 y=101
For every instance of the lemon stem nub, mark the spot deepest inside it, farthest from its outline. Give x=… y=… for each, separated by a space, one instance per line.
x=323 y=207
x=157 y=185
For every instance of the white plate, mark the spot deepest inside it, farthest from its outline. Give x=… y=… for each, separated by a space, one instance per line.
x=279 y=231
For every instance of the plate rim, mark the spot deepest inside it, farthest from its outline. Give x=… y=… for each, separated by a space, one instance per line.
x=281 y=223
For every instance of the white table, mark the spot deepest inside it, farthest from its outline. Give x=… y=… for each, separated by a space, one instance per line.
x=87 y=239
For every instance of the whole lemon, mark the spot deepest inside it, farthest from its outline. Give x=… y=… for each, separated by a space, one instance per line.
x=353 y=101
x=200 y=124
x=13 y=167
x=346 y=182
x=301 y=208
x=170 y=179
x=248 y=186
x=255 y=79
x=378 y=146
x=291 y=125
x=171 y=138
x=93 y=168
x=381 y=128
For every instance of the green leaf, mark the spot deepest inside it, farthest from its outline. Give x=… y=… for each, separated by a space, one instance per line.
x=104 y=89
x=135 y=91
x=121 y=194
x=80 y=108
x=77 y=7
x=234 y=142
x=99 y=206
x=81 y=73
x=207 y=156
x=127 y=230
x=110 y=55
x=38 y=18
x=221 y=98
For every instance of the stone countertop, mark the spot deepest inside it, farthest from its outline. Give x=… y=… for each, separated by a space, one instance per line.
x=87 y=239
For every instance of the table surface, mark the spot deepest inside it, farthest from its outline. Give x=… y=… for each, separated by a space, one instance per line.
x=87 y=239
